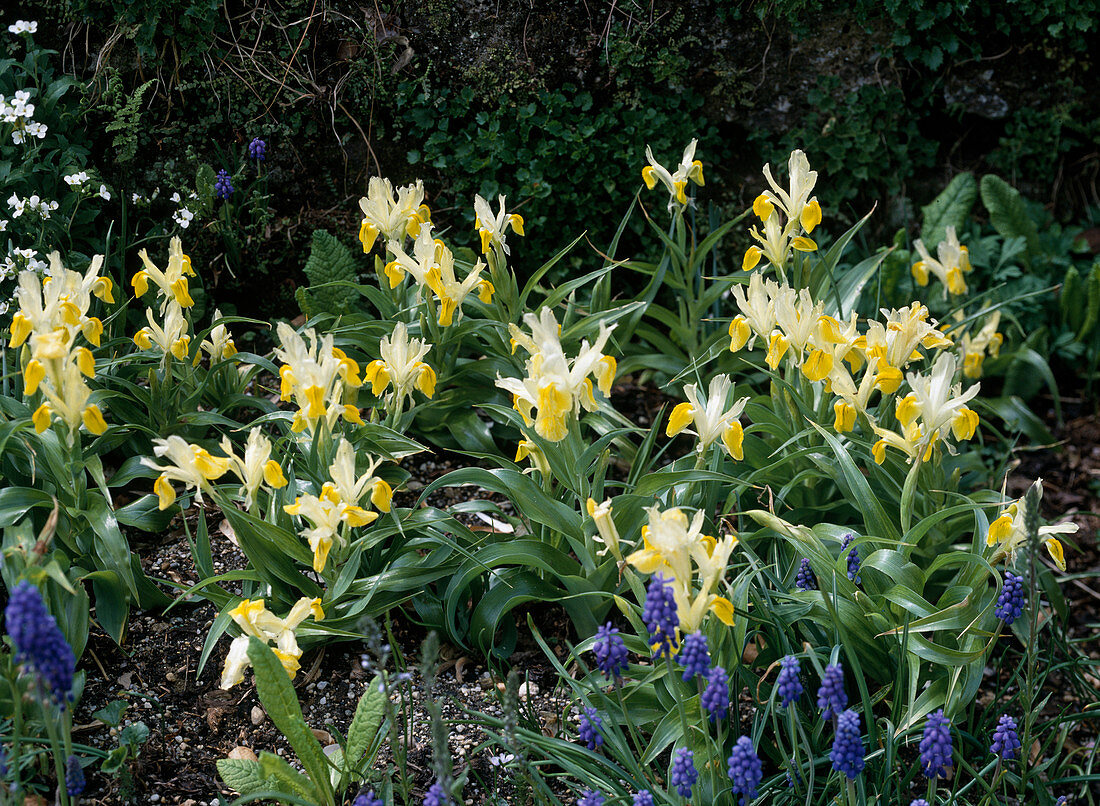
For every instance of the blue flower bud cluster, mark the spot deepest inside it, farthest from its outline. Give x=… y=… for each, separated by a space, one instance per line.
x=39 y=642
x=589 y=729
x=694 y=656
x=847 y=752
x=935 y=745
x=367 y=799
x=853 y=558
x=257 y=150
x=805 y=580
x=831 y=698
x=74 y=777
x=684 y=774
x=1011 y=601
x=223 y=186
x=787 y=685
x=1006 y=742
x=610 y=652
x=745 y=770
x=659 y=615
x=437 y=795
x=716 y=696
x=590 y=798
x=643 y=798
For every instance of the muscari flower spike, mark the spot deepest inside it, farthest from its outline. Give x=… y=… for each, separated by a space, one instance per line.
x=643 y=798
x=716 y=696
x=1006 y=742
x=745 y=770
x=831 y=698
x=367 y=799
x=257 y=149
x=74 y=777
x=589 y=729
x=694 y=656
x=590 y=798
x=39 y=642
x=847 y=752
x=610 y=652
x=919 y=802
x=683 y=775
x=659 y=615
x=805 y=580
x=1012 y=598
x=853 y=558
x=223 y=185
x=787 y=685
x=935 y=745
x=436 y=796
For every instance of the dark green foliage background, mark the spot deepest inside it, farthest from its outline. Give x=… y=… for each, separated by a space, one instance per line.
x=552 y=104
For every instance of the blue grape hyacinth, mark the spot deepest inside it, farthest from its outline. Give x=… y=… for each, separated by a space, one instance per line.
x=223 y=185
x=831 y=698
x=847 y=752
x=1011 y=600
x=683 y=775
x=919 y=802
x=589 y=729
x=39 y=642
x=853 y=558
x=806 y=579
x=1006 y=742
x=643 y=798
x=694 y=656
x=437 y=795
x=659 y=615
x=74 y=777
x=367 y=799
x=935 y=745
x=610 y=652
x=590 y=798
x=257 y=149
x=787 y=685
x=716 y=696
x=745 y=770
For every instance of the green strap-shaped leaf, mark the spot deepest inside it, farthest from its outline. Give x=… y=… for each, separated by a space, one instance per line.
x=281 y=703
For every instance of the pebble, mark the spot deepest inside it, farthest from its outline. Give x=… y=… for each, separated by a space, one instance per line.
x=257 y=715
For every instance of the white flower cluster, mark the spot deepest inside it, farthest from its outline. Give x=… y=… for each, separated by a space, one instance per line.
x=19 y=260
x=77 y=180
x=183 y=216
x=23 y=27
x=21 y=112
x=38 y=205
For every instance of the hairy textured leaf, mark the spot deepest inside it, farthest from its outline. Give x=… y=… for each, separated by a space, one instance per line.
x=366 y=722
x=1008 y=213
x=281 y=703
x=950 y=209
x=243 y=776
x=329 y=262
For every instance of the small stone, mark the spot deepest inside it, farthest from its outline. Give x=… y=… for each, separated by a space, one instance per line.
x=527 y=689
x=322 y=685
x=242 y=753
x=257 y=715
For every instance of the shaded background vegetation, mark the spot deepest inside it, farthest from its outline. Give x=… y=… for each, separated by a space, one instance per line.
x=552 y=104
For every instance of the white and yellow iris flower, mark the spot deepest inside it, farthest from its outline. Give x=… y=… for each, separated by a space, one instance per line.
x=710 y=417
x=257 y=621
x=689 y=169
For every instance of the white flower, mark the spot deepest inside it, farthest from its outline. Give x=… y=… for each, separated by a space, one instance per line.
x=183 y=217
x=77 y=179
x=104 y=193
x=18 y=136
x=23 y=27
x=36 y=129
x=176 y=197
x=3 y=224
